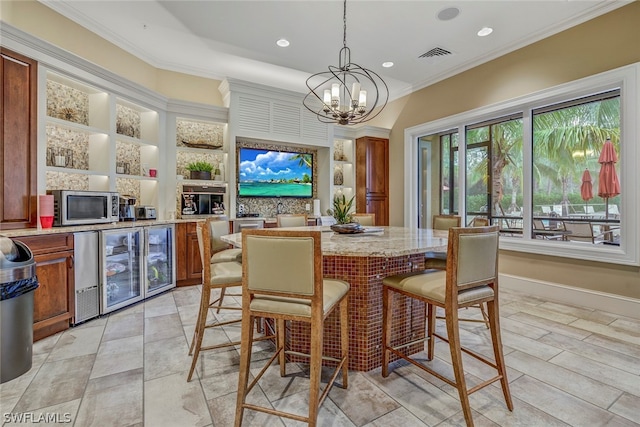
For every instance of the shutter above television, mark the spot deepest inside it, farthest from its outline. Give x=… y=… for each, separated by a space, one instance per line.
x=278 y=119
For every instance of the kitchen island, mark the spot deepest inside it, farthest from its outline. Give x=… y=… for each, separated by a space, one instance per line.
x=363 y=260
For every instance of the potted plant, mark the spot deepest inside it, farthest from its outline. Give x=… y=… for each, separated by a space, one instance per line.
x=200 y=170
x=341 y=209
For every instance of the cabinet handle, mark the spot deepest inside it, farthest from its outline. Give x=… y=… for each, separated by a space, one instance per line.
x=70 y=261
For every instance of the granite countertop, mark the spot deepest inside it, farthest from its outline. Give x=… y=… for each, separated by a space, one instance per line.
x=92 y=227
x=388 y=242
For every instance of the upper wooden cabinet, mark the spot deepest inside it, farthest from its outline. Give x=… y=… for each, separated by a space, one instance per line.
x=372 y=177
x=18 y=142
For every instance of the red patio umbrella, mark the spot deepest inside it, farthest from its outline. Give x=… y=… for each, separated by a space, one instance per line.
x=608 y=183
x=586 y=188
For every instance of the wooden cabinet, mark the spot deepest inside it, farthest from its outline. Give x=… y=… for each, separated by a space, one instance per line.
x=53 y=301
x=18 y=144
x=372 y=177
x=189 y=266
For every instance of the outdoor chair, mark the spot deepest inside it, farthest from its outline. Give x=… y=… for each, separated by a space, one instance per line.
x=282 y=279
x=583 y=232
x=471 y=278
x=544 y=232
x=479 y=222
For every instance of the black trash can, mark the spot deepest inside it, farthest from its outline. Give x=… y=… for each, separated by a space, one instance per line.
x=17 y=282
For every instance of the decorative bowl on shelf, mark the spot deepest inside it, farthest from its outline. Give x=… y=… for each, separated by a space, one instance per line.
x=350 y=228
x=202 y=144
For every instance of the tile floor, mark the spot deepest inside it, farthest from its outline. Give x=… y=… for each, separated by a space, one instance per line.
x=567 y=366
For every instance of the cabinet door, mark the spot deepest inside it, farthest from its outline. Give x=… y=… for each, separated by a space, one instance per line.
x=372 y=177
x=194 y=265
x=188 y=264
x=18 y=146
x=53 y=303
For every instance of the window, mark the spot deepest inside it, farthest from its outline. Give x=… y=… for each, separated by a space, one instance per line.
x=524 y=162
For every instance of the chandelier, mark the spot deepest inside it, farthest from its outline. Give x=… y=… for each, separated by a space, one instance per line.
x=345 y=91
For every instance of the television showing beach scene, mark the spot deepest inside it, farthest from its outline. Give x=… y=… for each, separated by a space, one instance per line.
x=270 y=173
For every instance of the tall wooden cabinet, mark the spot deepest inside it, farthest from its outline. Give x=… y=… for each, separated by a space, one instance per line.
x=18 y=142
x=372 y=177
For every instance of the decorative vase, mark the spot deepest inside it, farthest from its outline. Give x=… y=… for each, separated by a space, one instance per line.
x=338 y=178
x=200 y=175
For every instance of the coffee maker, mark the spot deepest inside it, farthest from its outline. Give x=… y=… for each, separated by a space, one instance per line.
x=127 y=208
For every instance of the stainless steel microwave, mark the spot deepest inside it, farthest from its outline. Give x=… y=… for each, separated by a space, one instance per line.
x=84 y=207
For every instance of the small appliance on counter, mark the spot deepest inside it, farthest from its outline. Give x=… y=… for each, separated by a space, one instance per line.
x=145 y=212
x=203 y=200
x=127 y=208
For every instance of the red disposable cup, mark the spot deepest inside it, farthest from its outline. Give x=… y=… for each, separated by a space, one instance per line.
x=152 y=172
x=46 y=221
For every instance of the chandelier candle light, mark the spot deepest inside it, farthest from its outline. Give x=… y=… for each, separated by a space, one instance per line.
x=342 y=91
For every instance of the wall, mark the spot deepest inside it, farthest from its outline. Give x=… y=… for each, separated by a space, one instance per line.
x=602 y=44
x=40 y=21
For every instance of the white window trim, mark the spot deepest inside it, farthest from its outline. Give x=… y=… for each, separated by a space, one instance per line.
x=628 y=79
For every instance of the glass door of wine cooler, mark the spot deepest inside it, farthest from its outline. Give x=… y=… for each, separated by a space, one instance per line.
x=160 y=259
x=122 y=268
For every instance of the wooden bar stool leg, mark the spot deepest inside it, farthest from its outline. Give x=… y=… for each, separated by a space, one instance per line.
x=198 y=333
x=453 y=335
x=431 y=329
x=344 y=340
x=281 y=338
x=245 y=363
x=496 y=340
x=314 y=377
x=222 y=292
x=387 y=303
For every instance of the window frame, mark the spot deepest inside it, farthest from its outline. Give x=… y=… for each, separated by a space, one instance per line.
x=627 y=79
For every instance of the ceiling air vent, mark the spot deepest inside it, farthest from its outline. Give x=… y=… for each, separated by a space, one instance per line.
x=436 y=52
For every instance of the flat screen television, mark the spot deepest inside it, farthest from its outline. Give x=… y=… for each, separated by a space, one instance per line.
x=273 y=173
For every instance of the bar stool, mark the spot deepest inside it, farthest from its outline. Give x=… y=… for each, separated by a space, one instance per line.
x=291 y=220
x=282 y=279
x=215 y=275
x=367 y=219
x=471 y=278
x=438 y=260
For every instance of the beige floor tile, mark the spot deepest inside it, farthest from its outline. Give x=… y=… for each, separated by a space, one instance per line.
x=57 y=382
x=398 y=417
x=166 y=357
x=362 y=401
x=424 y=400
x=328 y=413
x=628 y=406
x=11 y=391
x=123 y=326
x=223 y=409
x=624 y=361
x=526 y=330
x=121 y=355
x=559 y=404
x=580 y=312
x=527 y=345
x=564 y=379
x=599 y=371
x=172 y=401
x=162 y=327
x=112 y=400
x=550 y=325
x=188 y=295
x=77 y=342
x=632 y=337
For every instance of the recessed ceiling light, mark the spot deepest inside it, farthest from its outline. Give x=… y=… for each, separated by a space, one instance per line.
x=485 y=31
x=448 y=13
x=387 y=64
x=283 y=43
